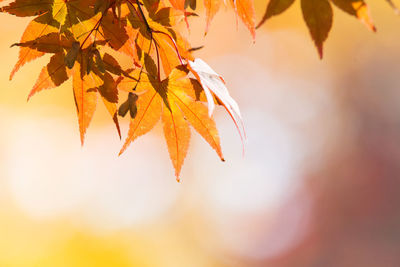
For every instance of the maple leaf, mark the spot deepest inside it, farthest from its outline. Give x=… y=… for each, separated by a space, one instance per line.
x=86 y=39
x=213 y=83
x=55 y=73
x=36 y=28
x=47 y=22
x=171 y=100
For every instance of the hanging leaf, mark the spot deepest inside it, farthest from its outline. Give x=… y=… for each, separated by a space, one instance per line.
x=318 y=16
x=86 y=39
x=357 y=8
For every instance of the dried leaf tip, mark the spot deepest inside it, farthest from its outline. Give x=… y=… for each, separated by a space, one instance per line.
x=212 y=82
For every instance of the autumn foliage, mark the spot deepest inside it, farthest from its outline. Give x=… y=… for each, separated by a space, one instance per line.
x=164 y=80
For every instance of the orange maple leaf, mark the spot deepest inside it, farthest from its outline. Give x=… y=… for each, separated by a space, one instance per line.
x=172 y=101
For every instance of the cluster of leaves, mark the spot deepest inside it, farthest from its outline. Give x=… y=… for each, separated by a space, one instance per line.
x=85 y=39
x=318 y=15
x=164 y=81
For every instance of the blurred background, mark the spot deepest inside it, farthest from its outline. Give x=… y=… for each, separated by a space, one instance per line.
x=318 y=186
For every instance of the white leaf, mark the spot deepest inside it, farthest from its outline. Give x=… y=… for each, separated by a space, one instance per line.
x=212 y=82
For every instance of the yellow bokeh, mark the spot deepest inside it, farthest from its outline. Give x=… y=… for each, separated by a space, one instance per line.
x=311 y=124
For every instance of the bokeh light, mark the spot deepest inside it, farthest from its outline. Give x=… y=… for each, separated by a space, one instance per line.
x=318 y=184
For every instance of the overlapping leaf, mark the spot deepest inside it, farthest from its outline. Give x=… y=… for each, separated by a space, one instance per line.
x=86 y=38
x=172 y=101
x=151 y=99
